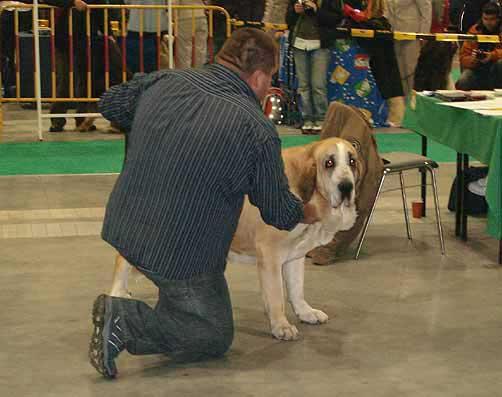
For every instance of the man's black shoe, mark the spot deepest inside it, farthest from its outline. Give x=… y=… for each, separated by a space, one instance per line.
x=54 y=128
x=106 y=343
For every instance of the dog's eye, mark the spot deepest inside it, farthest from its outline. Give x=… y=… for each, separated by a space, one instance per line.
x=352 y=162
x=329 y=163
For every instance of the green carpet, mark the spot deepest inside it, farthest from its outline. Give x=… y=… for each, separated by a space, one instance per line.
x=38 y=158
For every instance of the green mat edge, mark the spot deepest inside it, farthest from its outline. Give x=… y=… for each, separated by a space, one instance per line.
x=49 y=158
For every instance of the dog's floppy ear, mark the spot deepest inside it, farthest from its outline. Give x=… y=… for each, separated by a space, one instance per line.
x=361 y=163
x=307 y=181
x=360 y=170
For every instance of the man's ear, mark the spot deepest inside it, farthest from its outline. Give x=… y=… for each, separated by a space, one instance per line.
x=253 y=79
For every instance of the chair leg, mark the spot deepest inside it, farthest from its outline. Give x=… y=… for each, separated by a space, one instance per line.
x=405 y=206
x=368 y=219
x=436 y=204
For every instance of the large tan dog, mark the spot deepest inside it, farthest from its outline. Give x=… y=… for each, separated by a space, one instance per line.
x=324 y=173
x=349 y=123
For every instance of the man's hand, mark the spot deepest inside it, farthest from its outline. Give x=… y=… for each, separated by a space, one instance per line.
x=310 y=214
x=485 y=57
x=311 y=5
x=80 y=5
x=481 y=56
x=299 y=8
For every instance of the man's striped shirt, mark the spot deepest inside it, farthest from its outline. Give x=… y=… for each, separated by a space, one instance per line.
x=198 y=142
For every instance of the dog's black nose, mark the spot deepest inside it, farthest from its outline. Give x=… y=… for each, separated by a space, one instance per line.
x=345 y=188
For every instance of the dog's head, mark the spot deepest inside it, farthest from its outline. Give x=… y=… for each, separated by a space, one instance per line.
x=338 y=170
x=326 y=173
x=351 y=124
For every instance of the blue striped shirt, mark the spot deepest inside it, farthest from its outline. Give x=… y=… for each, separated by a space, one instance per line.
x=198 y=142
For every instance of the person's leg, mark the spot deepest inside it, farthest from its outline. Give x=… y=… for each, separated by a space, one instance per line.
x=184 y=40
x=496 y=75
x=201 y=35
x=407 y=53
x=62 y=90
x=192 y=319
x=469 y=80
x=82 y=123
x=385 y=69
x=319 y=71
x=132 y=51
x=302 y=65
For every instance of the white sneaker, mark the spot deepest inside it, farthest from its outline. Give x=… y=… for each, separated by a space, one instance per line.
x=317 y=127
x=307 y=126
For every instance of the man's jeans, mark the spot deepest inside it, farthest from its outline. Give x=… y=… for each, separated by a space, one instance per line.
x=312 y=70
x=192 y=319
x=485 y=77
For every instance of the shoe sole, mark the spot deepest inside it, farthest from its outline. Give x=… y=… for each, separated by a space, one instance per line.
x=96 y=349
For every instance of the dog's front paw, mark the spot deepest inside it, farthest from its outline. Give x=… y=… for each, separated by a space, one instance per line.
x=313 y=316
x=285 y=331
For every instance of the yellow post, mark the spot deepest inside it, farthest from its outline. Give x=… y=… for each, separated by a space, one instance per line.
x=124 y=35
x=1 y=118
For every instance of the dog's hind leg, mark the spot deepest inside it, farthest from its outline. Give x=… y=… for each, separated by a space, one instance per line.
x=294 y=273
x=121 y=277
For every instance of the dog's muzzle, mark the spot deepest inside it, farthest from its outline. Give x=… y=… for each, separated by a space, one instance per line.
x=346 y=188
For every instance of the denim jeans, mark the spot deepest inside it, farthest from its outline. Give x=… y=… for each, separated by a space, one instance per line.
x=192 y=319
x=312 y=71
x=484 y=77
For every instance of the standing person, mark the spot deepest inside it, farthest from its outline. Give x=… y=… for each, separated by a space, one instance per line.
x=198 y=142
x=482 y=62
x=470 y=13
x=250 y=10
x=150 y=20
x=310 y=36
x=370 y=14
x=79 y=27
x=409 y=16
x=220 y=22
x=62 y=71
x=184 y=43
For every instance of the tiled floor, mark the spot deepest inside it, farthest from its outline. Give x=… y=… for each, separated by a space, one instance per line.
x=404 y=320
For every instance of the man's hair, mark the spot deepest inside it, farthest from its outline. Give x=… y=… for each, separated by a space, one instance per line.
x=248 y=50
x=491 y=8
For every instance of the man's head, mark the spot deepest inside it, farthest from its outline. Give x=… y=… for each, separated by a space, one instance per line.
x=490 y=17
x=253 y=54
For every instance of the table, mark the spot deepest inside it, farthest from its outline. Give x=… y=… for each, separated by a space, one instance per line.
x=469 y=134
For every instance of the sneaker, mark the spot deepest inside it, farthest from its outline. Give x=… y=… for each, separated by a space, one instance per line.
x=106 y=342
x=307 y=128
x=316 y=129
x=56 y=128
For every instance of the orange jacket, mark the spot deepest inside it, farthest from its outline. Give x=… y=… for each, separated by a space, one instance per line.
x=468 y=59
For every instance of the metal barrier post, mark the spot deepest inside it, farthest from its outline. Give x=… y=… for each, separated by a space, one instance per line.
x=38 y=94
x=170 y=32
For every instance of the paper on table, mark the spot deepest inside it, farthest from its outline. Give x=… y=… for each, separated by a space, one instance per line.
x=494 y=104
x=490 y=112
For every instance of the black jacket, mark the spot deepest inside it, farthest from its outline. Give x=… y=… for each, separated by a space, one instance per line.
x=79 y=23
x=471 y=13
x=329 y=16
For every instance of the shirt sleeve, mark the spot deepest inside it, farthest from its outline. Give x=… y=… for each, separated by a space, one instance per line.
x=119 y=103
x=270 y=190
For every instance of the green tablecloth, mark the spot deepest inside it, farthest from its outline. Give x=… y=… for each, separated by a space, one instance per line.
x=466 y=132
